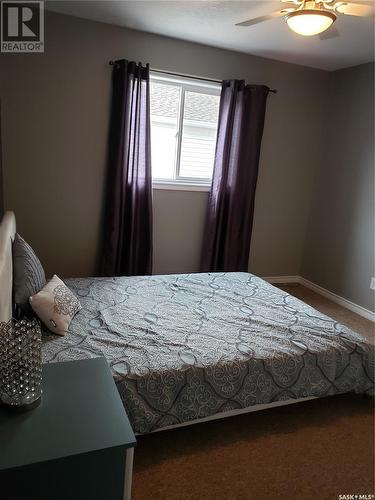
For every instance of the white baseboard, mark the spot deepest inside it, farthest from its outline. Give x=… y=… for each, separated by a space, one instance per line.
x=288 y=280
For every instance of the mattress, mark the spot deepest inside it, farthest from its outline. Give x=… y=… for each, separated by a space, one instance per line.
x=184 y=347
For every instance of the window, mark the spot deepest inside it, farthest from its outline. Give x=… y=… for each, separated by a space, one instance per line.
x=184 y=119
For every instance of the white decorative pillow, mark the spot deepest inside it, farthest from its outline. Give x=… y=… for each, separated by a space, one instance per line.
x=56 y=305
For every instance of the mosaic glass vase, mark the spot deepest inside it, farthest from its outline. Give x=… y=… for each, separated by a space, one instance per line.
x=20 y=364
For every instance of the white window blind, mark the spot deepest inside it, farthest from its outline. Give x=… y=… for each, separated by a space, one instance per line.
x=184 y=120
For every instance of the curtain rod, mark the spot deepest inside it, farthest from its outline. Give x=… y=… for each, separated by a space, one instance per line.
x=113 y=63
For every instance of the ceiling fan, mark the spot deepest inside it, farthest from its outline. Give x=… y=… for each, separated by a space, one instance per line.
x=309 y=18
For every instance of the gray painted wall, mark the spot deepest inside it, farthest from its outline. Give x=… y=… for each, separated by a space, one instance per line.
x=339 y=252
x=1 y=172
x=314 y=208
x=178 y=230
x=55 y=122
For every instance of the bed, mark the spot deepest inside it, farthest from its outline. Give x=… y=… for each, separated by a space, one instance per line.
x=193 y=347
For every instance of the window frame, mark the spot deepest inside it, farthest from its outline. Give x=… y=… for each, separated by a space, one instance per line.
x=186 y=84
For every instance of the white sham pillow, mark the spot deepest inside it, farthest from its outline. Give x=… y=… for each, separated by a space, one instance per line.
x=56 y=305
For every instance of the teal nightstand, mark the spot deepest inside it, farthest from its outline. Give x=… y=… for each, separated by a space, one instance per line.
x=78 y=444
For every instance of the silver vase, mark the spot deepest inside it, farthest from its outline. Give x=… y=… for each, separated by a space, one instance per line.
x=20 y=364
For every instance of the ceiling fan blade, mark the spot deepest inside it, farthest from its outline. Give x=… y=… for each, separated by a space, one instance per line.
x=355 y=9
x=371 y=3
x=331 y=32
x=261 y=19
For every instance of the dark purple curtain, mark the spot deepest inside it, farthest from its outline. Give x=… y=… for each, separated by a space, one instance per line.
x=128 y=211
x=229 y=220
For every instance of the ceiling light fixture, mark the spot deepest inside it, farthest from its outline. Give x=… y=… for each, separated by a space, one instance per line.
x=309 y=22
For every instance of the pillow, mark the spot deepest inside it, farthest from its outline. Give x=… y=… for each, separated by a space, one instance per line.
x=56 y=305
x=28 y=274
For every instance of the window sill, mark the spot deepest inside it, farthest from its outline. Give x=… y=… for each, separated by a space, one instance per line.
x=180 y=186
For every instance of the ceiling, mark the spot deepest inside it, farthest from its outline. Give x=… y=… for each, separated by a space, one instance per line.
x=213 y=23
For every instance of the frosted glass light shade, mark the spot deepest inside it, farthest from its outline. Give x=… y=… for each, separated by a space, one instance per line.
x=310 y=22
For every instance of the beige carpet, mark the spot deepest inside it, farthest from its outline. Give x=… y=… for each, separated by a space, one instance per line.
x=344 y=316
x=316 y=450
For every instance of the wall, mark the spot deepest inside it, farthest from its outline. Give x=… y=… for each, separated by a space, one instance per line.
x=339 y=253
x=178 y=230
x=1 y=173
x=55 y=119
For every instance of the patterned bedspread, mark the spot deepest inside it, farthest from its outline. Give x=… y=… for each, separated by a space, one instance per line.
x=183 y=347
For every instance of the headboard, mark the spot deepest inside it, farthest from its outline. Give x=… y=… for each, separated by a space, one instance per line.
x=7 y=233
